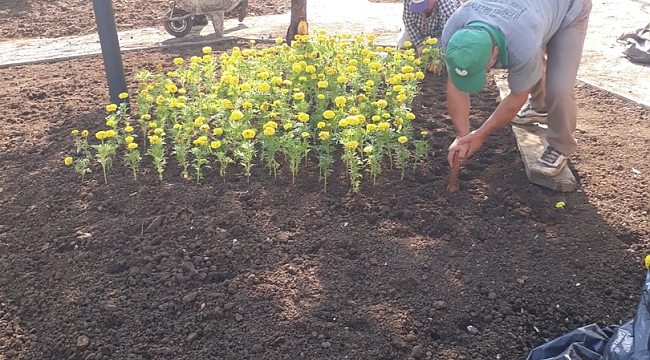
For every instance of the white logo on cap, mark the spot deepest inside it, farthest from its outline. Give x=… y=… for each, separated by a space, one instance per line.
x=461 y=72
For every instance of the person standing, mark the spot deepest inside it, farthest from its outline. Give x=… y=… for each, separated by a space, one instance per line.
x=514 y=34
x=424 y=19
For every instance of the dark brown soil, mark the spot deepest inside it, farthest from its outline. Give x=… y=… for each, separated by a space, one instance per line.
x=270 y=270
x=55 y=18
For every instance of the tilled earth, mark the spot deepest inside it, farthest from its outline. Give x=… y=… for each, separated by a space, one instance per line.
x=271 y=270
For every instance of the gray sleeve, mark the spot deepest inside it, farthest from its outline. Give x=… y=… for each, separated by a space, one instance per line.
x=522 y=78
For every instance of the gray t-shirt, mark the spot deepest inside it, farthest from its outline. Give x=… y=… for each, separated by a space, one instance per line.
x=527 y=26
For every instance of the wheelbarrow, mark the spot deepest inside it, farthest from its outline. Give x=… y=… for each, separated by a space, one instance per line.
x=178 y=20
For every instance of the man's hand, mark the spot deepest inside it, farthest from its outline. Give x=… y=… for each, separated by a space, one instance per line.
x=465 y=146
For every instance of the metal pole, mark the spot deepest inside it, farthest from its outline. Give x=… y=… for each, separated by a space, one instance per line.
x=105 y=20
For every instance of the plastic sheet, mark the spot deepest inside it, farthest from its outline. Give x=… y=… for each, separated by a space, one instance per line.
x=626 y=342
x=637 y=45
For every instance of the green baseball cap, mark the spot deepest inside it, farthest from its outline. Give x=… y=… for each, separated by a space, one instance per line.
x=468 y=52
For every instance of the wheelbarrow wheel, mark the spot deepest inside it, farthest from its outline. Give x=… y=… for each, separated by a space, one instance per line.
x=178 y=28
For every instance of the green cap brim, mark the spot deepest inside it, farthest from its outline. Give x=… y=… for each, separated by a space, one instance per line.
x=468 y=83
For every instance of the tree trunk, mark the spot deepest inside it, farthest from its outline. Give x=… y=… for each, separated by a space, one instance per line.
x=298 y=25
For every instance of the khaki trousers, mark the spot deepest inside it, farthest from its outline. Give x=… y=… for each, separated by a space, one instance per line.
x=555 y=90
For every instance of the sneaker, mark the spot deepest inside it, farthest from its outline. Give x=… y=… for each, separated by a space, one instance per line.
x=551 y=163
x=527 y=115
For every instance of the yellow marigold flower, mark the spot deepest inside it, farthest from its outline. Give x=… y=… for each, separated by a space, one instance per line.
x=177 y=126
x=385 y=115
x=329 y=114
x=110 y=123
x=217 y=131
x=159 y=67
x=299 y=96
x=199 y=121
x=410 y=116
x=302 y=78
x=431 y=41
x=263 y=75
x=353 y=120
x=310 y=69
x=245 y=87
x=402 y=139
x=324 y=135
x=265 y=106
x=247 y=105
x=343 y=123
x=399 y=121
x=408 y=44
x=205 y=127
x=129 y=139
x=68 y=161
x=279 y=41
x=264 y=87
x=351 y=145
x=269 y=131
x=368 y=149
x=123 y=95
x=215 y=144
x=84 y=133
x=320 y=125
x=376 y=118
x=276 y=80
x=647 y=261
x=201 y=141
x=383 y=126
x=381 y=103
x=321 y=96
x=111 y=107
x=303 y=117
x=101 y=135
x=248 y=133
x=132 y=146
x=371 y=127
x=178 y=61
x=419 y=75
x=340 y=101
x=172 y=88
x=153 y=124
x=424 y=133
x=287 y=126
x=182 y=92
x=160 y=100
x=159 y=131
x=236 y=115
x=206 y=49
x=128 y=129
x=271 y=124
x=75 y=132
x=323 y=84
x=227 y=103
x=341 y=79
x=560 y=205
x=407 y=69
